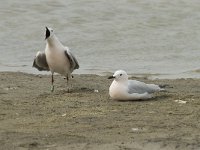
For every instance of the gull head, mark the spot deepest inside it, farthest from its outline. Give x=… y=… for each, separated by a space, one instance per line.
x=119 y=75
x=49 y=32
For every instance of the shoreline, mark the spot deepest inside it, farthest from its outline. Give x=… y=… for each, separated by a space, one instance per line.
x=86 y=118
x=151 y=76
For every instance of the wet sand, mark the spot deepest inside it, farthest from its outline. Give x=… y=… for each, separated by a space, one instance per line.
x=31 y=117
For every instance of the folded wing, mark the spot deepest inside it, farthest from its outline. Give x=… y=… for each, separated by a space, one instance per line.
x=141 y=87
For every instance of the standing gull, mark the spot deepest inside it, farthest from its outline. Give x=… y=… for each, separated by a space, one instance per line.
x=124 y=89
x=56 y=58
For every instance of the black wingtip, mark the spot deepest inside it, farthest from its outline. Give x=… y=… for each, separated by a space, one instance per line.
x=34 y=63
x=165 y=86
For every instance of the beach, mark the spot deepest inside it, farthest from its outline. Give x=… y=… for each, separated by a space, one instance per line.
x=33 y=117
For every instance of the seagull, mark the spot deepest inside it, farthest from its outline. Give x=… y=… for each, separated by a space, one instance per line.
x=124 y=89
x=56 y=58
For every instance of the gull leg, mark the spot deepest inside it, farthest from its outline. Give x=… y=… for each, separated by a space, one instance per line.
x=70 y=83
x=68 y=90
x=52 y=80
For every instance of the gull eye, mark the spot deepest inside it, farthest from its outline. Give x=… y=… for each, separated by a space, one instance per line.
x=120 y=74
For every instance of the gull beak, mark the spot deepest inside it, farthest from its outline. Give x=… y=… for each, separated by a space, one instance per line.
x=47 y=34
x=111 y=77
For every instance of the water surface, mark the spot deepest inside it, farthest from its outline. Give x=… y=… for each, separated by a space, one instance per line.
x=155 y=37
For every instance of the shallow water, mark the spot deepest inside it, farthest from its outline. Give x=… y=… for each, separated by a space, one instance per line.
x=154 y=37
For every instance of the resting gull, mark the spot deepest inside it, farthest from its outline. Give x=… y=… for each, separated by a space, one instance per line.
x=124 y=89
x=56 y=58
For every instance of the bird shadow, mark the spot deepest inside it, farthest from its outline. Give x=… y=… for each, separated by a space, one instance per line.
x=82 y=90
x=157 y=98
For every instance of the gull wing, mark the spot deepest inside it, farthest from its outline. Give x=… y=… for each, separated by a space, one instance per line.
x=72 y=60
x=141 y=87
x=40 y=62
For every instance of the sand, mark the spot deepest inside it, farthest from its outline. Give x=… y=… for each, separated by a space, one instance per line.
x=31 y=117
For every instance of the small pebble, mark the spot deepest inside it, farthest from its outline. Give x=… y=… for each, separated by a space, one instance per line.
x=181 y=102
x=63 y=115
x=134 y=129
x=96 y=91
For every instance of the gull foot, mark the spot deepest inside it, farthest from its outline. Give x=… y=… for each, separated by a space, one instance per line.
x=52 y=88
x=68 y=90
